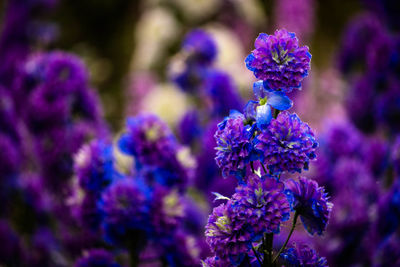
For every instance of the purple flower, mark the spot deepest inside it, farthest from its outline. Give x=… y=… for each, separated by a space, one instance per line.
x=395 y=155
x=185 y=250
x=11 y=249
x=149 y=139
x=287 y=144
x=200 y=46
x=360 y=32
x=279 y=61
x=387 y=108
x=125 y=208
x=96 y=258
x=10 y=158
x=167 y=211
x=191 y=79
x=353 y=175
x=361 y=95
x=214 y=262
x=8 y=118
x=343 y=140
x=388 y=219
x=57 y=69
x=88 y=213
x=228 y=237
x=376 y=154
x=261 y=203
x=310 y=202
x=302 y=255
x=189 y=128
x=296 y=16
x=94 y=165
x=223 y=94
x=233 y=145
x=388 y=252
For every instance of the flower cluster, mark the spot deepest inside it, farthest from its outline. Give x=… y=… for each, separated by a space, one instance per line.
x=144 y=204
x=302 y=255
x=368 y=43
x=269 y=139
x=197 y=75
x=310 y=202
x=279 y=61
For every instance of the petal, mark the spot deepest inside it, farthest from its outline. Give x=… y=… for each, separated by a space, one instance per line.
x=279 y=100
x=249 y=62
x=258 y=89
x=250 y=110
x=264 y=116
x=125 y=144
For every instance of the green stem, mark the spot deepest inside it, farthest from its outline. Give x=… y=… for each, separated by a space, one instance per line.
x=265 y=169
x=256 y=254
x=268 y=247
x=296 y=215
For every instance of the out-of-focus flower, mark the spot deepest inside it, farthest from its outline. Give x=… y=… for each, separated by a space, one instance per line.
x=343 y=139
x=94 y=165
x=96 y=258
x=302 y=255
x=189 y=128
x=214 y=262
x=362 y=95
x=167 y=211
x=295 y=16
x=262 y=203
x=149 y=139
x=11 y=250
x=395 y=155
x=388 y=220
x=279 y=61
x=388 y=252
x=125 y=208
x=233 y=145
x=187 y=253
x=287 y=144
x=361 y=31
x=310 y=202
x=218 y=85
x=200 y=47
x=354 y=176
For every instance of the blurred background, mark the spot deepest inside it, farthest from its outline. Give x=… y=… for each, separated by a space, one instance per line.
x=118 y=39
x=124 y=58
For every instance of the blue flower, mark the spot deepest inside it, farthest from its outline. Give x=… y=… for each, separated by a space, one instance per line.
x=302 y=255
x=311 y=202
x=261 y=110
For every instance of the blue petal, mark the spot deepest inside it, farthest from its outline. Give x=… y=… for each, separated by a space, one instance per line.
x=264 y=116
x=258 y=89
x=250 y=110
x=266 y=87
x=279 y=100
x=233 y=113
x=249 y=60
x=125 y=144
